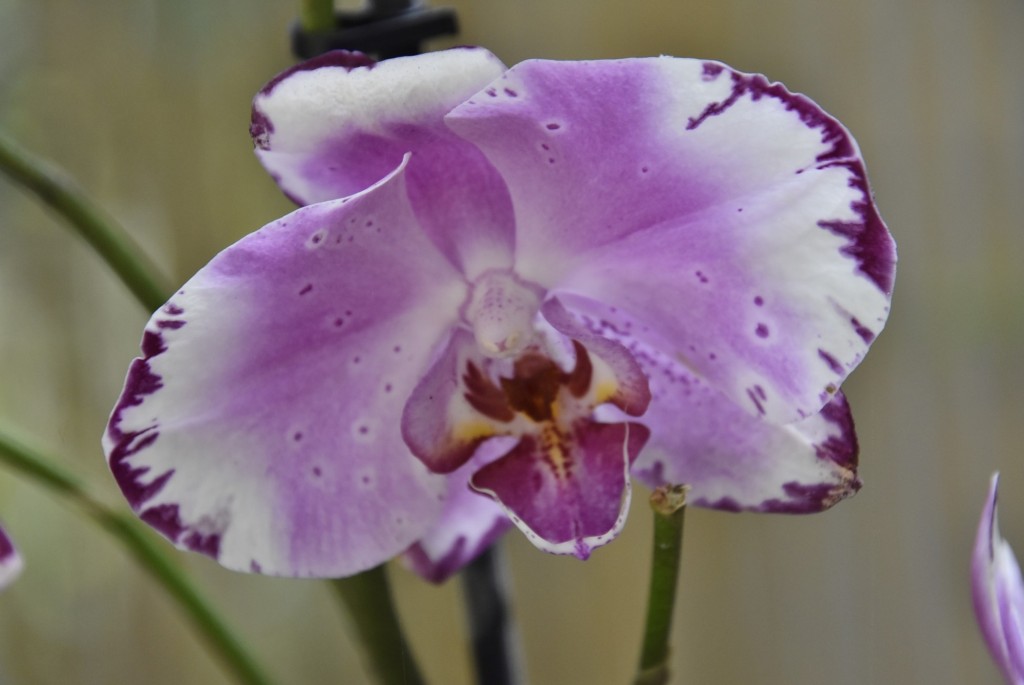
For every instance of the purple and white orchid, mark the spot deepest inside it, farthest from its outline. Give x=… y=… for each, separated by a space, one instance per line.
x=10 y=560
x=998 y=592
x=506 y=290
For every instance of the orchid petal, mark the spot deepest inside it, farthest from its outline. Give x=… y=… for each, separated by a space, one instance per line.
x=731 y=218
x=339 y=123
x=571 y=494
x=11 y=563
x=469 y=524
x=998 y=592
x=262 y=425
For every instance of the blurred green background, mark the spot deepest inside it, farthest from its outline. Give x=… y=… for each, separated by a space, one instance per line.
x=146 y=103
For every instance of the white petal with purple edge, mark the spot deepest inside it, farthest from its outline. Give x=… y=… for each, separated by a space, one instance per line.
x=731 y=218
x=11 y=563
x=998 y=592
x=337 y=124
x=262 y=425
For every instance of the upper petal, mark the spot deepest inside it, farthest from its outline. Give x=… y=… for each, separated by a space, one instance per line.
x=998 y=592
x=339 y=123
x=730 y=217
x=262 y=426
x=10 y=560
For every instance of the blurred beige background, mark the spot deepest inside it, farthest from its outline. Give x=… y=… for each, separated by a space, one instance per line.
x=147 y=104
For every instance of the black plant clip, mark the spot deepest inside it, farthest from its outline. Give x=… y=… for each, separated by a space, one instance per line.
x=384 y=29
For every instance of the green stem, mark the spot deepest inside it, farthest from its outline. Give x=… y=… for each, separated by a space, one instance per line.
x=56 y=190
x=317 y=15
x=668 y=503
x=374 y=623
x=140 y=543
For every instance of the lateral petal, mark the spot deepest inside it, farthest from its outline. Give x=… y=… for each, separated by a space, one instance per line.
x=262 y=424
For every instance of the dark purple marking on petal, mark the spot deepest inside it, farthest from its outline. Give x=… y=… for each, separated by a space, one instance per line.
x=757 y=86
x=700 y=276
x=308 y=287
x=552 y=126
x=171 y=324
x=842 y=449
x=173 y=309
x=810 y=499
x=758 y=301
x=511 y=93
x=865 y=333
x=140 y=383
x=832 y=362
x=204 y=544
x=255 y=567
x=711 y=70
x=165 y=518
x=260 y=128
x=152 y=345
x=754 y=398
x=761 y=330
x=721 y=504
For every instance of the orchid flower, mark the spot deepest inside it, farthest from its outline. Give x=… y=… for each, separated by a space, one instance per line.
x=10 y=561
x=998 y=592
x=507 y=290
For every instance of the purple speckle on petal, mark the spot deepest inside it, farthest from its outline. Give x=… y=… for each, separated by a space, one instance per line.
x=297 y=436
x=308 y=287
x=761 y=330
x=204 y=544
x=756 y=400
x=173 y=325
x=317 y=472
x=511 y=93
x=711 y=71
x=552 y=126
x=700 y=276
x=173 y=309
x=865 y=333
x=758 y=301
x=255 y=567
x=832 y=362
